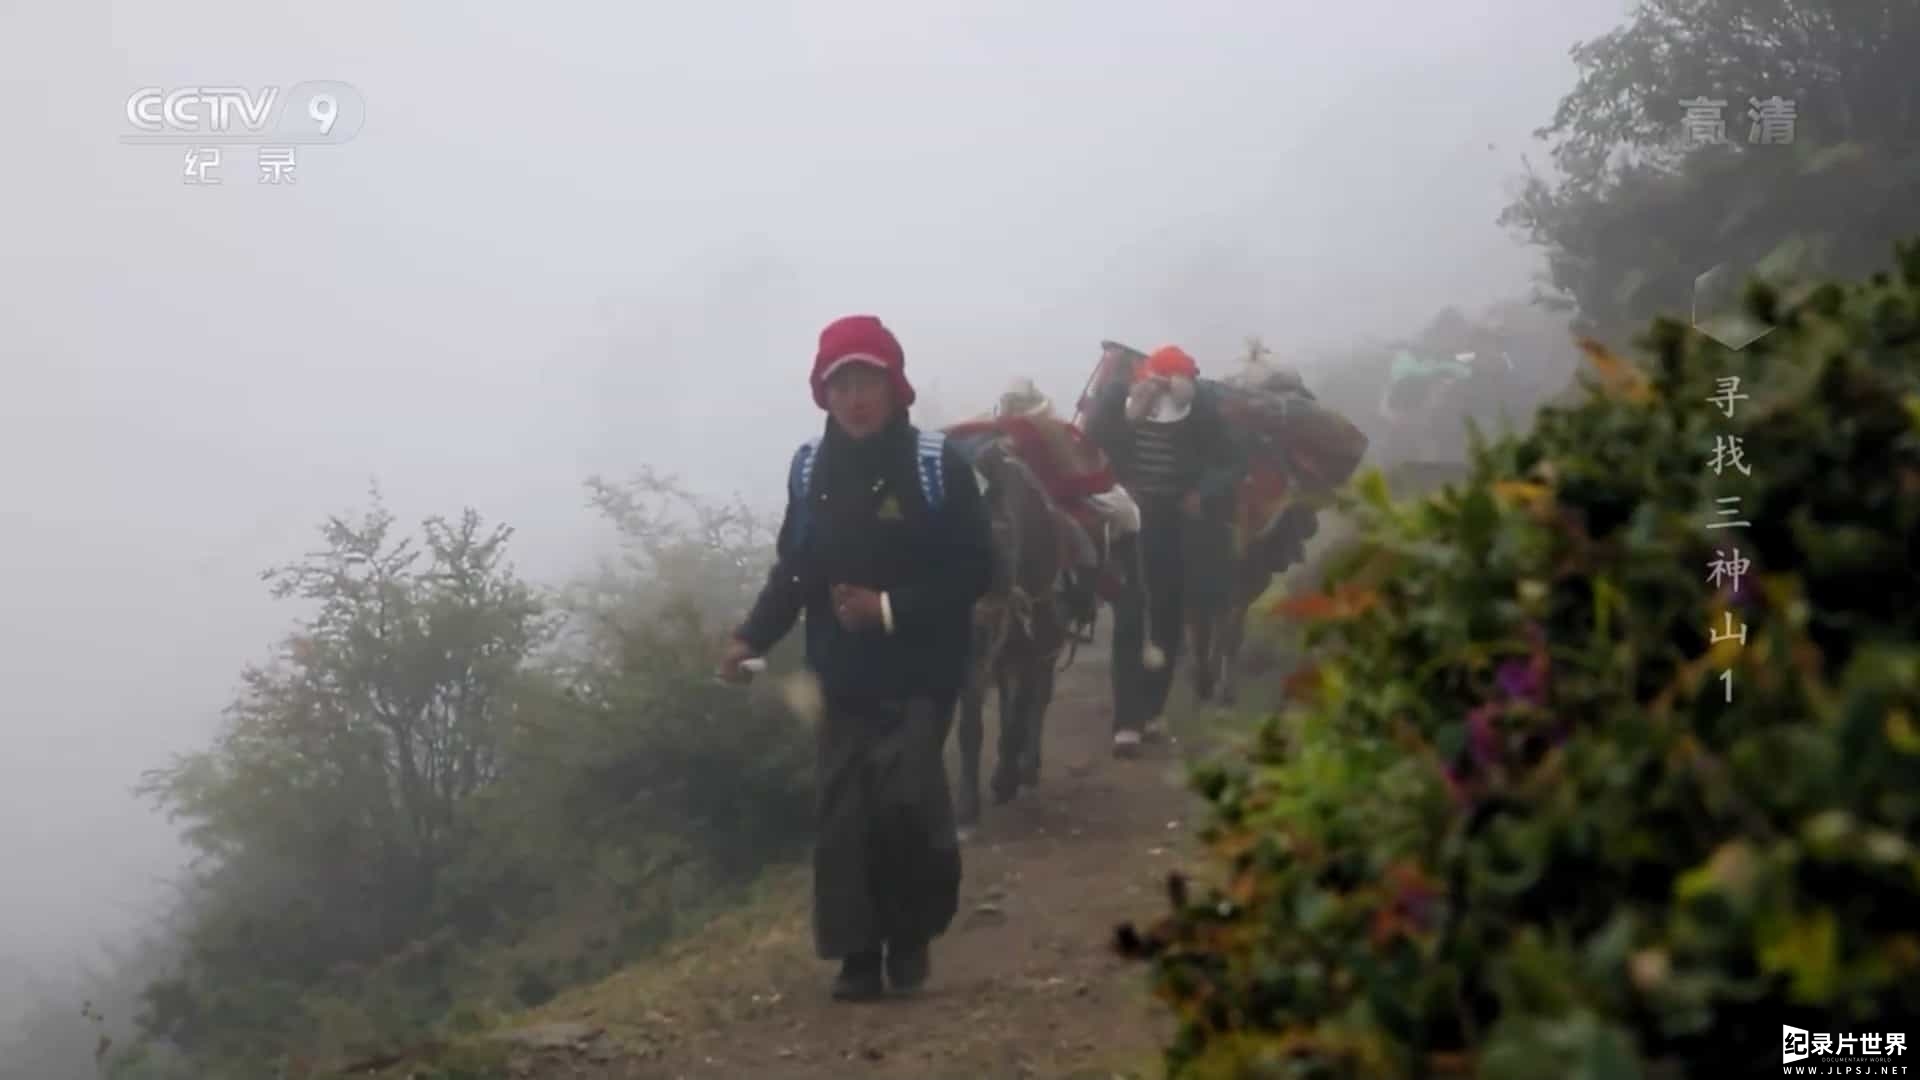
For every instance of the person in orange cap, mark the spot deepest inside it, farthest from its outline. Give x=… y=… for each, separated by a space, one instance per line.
x=1172 y=451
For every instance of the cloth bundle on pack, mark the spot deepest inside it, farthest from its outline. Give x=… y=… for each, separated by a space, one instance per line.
x=1297 y=448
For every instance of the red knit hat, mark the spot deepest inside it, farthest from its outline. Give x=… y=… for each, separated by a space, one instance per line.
x=860 y=339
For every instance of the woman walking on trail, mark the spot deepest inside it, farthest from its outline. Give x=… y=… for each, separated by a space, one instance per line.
x=1172 y=451
x=885 y=546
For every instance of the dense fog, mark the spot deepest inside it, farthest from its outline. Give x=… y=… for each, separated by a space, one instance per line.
x=579 y=239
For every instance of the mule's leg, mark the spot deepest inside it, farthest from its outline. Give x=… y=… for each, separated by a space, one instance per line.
x=1233 y=633
x=971 y=732
x=1006 y=765
x=1233 y=630
x=1204 y=643
x=1039 y=696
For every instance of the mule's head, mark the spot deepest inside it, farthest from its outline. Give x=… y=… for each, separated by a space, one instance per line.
x=997 y=472
x=992 y=471
x=1027 y=544
x=1037 y=553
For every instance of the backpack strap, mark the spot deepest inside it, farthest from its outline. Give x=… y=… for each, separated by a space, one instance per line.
x=930 y=465
x=931 y=452
x=800 y=486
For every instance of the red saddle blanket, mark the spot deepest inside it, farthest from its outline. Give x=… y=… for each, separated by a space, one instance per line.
x=1067 y=463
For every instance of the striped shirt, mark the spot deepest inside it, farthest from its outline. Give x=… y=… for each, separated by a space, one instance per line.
x=1156 y=460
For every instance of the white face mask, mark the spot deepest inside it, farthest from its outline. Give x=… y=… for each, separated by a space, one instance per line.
x=1160 y=399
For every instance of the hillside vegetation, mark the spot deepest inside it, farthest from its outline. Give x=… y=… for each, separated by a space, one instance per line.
x=1578 y=785
x=449 y=795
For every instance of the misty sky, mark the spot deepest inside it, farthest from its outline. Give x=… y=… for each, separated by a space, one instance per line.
x=578 y=237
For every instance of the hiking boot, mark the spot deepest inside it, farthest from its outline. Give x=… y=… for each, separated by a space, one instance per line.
x=1126 y=743
x=859 y=978
x=908 y=966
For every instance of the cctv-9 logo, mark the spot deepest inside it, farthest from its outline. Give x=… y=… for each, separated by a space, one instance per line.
x=322 y=111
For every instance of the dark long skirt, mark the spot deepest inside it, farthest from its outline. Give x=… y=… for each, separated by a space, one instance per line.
x=886 y=864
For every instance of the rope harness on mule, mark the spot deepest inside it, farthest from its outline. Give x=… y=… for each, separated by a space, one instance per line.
x=1000 y=616
x=997 y=616
x=1020 y=607
x=999 y=624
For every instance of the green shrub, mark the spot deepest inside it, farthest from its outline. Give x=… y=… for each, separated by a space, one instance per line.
x=453 y=794
x=1511 y=825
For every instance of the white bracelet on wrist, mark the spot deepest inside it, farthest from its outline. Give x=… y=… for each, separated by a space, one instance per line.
x=886 y=612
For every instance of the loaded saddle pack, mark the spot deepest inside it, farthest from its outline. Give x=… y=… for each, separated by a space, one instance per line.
x=1298 y=450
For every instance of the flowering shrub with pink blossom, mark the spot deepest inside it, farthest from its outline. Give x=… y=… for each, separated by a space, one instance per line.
x=1513 y=823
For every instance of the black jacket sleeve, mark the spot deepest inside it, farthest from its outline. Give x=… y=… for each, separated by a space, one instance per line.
x=781 y=599
x=960 y=568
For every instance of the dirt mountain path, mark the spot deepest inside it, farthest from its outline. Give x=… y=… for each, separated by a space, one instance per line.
x=1025 y=983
